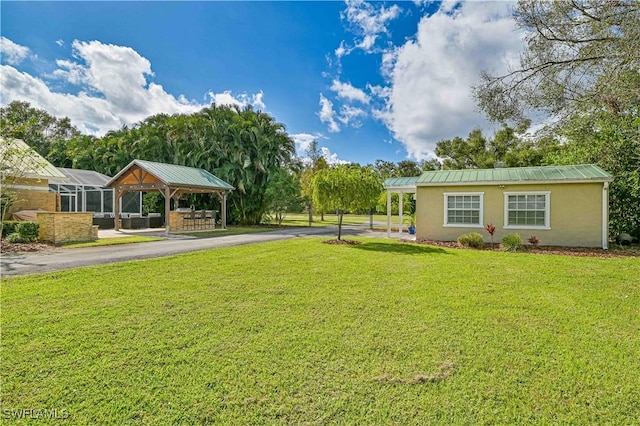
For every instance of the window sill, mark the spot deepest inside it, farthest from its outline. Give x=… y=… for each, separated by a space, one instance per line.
x=541 y=228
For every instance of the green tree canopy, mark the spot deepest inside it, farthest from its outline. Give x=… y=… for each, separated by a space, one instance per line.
x=580 y=55
x=346 y=187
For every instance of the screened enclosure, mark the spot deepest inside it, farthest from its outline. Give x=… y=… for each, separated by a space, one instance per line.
x=84 y=191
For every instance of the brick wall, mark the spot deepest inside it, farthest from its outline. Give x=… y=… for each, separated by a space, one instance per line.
x=62 y=227
x=33 y=200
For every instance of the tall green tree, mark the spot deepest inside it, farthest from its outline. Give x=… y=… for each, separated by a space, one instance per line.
x=283 y=194
x=580 y=55
x=315 y=163
x=36 y=127
x=346 y=187
x=581 y=68
x=613 y=143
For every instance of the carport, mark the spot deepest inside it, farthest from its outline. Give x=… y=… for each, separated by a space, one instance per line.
x=401 y=185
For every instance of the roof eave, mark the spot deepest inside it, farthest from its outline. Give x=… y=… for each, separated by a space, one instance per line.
x=516 y=182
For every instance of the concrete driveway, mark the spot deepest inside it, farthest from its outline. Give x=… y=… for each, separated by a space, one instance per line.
x=60 y=258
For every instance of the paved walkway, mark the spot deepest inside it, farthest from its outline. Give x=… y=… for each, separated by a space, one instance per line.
x=60 y=258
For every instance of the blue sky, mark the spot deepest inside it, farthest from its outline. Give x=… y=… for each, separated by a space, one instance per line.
x=367 y=80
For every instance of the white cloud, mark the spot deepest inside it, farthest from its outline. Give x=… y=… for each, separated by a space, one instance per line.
x=341 y=50
x=331 y=157
x=114 y=89
x=12 y=53
x=349 y=115
x=60 y=42
x=303 y=141
x=429 y=97
x=241 y=100
x=347 y=91
x=327 y=114
x=368 y=22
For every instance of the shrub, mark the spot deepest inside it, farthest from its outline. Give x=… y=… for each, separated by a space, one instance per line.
x=472 y=239
x=9 y=227
x=511 y=242
x=533 y=240
x=15 y=238
x=28 y=231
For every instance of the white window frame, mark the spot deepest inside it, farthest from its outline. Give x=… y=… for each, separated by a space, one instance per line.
x=462 y=225
x=547 y=210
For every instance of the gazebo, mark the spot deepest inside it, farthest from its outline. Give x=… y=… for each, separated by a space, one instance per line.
x=171 y=181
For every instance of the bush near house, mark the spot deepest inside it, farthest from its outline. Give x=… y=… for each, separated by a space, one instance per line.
x=20 y=232
x=472 y=239
x=8 y=227
x=512 y=242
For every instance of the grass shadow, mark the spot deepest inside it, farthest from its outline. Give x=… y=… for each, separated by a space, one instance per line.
x=400 y=248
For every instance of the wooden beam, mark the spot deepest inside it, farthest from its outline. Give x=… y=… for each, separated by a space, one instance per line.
x=167 y=209
x=224 y=210
x=116 y=209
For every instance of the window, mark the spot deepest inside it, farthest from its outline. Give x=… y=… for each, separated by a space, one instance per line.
x=463 y=209
x=526 y=210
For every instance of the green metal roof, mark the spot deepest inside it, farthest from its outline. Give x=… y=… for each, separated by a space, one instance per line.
x=578 y=173
x=16 y=154
x=400 y=182
x=174 y=175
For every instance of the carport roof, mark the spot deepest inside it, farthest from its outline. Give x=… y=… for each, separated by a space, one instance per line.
x=400 y=182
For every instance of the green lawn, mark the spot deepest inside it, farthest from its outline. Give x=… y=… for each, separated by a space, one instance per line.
x=231 y=230
x=113 y=241
x=298 y=331
x=302 y=219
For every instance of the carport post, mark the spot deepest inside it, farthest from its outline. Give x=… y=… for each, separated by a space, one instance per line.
x=388 y=213
x=400 y=203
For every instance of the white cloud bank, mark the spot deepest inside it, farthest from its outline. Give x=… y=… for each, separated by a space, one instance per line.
x=11 y=52
x=114 y=87
x=429 y=96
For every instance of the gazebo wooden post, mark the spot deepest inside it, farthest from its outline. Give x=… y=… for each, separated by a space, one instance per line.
x=167 y=209
x=116 y=209
x=224 y=210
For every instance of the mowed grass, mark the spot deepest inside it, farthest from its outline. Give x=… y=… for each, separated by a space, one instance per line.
x=302 y=219
x=298 y=331
x=113 y=241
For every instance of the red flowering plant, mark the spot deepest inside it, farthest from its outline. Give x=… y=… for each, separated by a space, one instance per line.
x=491 y=230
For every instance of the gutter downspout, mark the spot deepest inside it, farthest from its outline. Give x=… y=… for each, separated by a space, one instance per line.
x=605 y=216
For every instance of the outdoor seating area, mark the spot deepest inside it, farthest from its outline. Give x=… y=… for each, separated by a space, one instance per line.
x=173 y=182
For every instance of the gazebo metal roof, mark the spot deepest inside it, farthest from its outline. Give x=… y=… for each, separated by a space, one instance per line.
x=176 y=176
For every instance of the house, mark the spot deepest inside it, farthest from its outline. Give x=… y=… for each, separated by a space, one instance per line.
x=25 y=178
x=560 y=205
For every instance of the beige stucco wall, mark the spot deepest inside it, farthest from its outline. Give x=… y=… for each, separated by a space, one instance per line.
x=575 y=213
x=62 y=227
